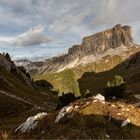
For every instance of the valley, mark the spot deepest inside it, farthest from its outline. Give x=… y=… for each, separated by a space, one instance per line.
x=90 y=92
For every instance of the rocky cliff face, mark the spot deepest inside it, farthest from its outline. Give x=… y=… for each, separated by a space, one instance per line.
x=93 y=48
x=98 y=44
x=101 y=42
x=4 y=63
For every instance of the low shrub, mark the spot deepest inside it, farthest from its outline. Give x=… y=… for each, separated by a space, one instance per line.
x=115 y=88
x=65 y=99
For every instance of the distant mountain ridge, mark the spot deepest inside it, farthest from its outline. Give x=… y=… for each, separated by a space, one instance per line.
x=115 y=41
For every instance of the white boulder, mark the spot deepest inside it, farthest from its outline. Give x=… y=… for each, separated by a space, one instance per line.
x=63 y=111
x=100 y=97
x=31 y=123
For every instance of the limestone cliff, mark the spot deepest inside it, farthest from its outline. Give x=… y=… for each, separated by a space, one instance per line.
x=98 y=44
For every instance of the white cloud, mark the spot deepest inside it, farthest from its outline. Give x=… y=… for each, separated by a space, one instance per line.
x=66 y=21
x=32 y=37
x=106 y=12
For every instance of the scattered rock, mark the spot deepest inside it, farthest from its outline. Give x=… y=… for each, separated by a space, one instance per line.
x=87 y=103
x=125 y=122
x=76 y=107
x=137 y=96
x=42 y=132
x=113 y=105
x=94 y=101
x=136 y=104
x=103 y=102
x=113 y=97
x=127 y=109
x=121 y=105
x=119 y=114
x=107 y=136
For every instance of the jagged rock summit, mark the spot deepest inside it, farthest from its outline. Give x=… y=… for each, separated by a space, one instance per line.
x=99 y=43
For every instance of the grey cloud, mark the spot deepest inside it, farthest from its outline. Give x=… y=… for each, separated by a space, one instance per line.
x=66 y=20
x=34 y=36
x=91 y=14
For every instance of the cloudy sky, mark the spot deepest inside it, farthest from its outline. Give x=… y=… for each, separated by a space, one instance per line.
x=44 y=28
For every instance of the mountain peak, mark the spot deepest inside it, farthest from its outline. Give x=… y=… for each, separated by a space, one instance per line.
x=100 y=43
x=110 y=38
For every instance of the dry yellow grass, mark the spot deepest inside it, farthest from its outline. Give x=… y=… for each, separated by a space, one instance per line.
x=93 y=119
x=5 y=134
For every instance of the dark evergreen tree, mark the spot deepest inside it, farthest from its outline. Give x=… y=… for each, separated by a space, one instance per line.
x=24 y=71
x=7 y=56
x=65 y=99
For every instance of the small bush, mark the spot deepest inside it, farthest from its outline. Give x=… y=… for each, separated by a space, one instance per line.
x=7 y=56
x=43 y=83
x=24 y=71
x=65 y=99
x=87 y=94
x=115 y=88
x=117 y=81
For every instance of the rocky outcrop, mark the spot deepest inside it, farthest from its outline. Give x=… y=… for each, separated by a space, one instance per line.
x=4 y=63
x=111 y=38
x=10 y=67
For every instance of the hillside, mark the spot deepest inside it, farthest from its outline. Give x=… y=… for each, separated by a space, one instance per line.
x=19 y=95
x=16 y=82
x=91 y=118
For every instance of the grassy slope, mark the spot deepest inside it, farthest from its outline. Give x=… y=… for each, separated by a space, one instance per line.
x=21 y=89
x=87 y=80
x=55 y=78
x=14 y=111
